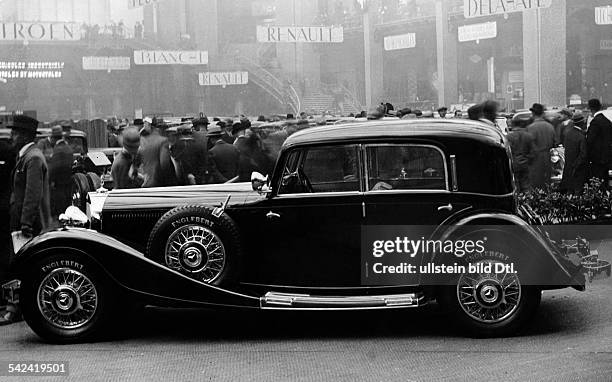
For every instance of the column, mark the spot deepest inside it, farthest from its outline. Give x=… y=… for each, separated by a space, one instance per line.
x=373 y=52
x=544 y=48
x=446 y=56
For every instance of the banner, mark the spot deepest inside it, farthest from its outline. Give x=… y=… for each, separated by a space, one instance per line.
x=479 y=8
x=33 y=31
x=168 y=57
x=224 y=78
x=477 y=32
x=404 y=41
x=31 y=70
x=106 y=63
x=305 y=34
x=132 y=4
x=603 y=15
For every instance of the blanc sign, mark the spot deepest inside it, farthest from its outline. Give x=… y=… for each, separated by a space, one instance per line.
x=274 y=33
x=477 y=32
x=106 y=63
x=31 y=31
x=170 y=57
x=224 y=78
x=479 y=8
x=403 y=41
x=140 y=3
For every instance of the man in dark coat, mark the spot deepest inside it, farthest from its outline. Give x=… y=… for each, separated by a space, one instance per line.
x=599 y=140
x=7 y=163
x=223 y=156
x=575 y=170
x=30 y=212
x=60 y=177
x=543 y=134
x=47 y=145
x=523 y=152
x=125 y=170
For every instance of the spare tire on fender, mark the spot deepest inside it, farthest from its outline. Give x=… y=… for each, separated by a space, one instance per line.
x=198 y=242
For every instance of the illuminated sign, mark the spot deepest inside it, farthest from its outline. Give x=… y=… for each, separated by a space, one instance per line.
x=476 y=32
x=170 y=57
x=30 y=70
x=30 y=31
x=224 y=78
x=404 y=41
x=603 y=15
x=132 y=4
x=479 y=8
x=106 y=63
x=292 y=34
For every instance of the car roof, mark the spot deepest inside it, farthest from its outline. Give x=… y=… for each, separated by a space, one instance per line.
x=419 y=128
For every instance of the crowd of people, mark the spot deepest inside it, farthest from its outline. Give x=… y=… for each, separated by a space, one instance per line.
x=196 y=152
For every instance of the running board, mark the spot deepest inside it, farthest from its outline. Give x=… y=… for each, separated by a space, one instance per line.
x=273 y=300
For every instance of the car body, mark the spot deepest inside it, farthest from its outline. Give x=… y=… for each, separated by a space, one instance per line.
x=291 y=241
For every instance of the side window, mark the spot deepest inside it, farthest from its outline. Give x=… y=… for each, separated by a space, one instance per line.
x=405 y=167
x=322 y=169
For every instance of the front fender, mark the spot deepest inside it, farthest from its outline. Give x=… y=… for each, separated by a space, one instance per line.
x=127 y=267
x=565 y=272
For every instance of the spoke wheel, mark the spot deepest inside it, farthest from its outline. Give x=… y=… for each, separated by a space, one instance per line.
x=489 y=297
x=197 y=252
x=67 y=299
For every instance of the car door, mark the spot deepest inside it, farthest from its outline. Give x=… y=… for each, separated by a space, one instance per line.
x=407 y=184
x=310 y=227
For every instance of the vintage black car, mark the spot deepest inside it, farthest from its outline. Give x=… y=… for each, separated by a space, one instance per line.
x=292 y=241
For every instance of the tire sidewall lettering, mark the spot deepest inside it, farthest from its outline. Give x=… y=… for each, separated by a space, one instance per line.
x=191 y=220
x=62 y=264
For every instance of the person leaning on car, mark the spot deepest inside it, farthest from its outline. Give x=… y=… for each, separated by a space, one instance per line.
x=599 y=140
x=30 y=211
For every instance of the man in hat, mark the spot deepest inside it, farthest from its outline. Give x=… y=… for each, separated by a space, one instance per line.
x=575 y=170
x=125 y=170
x=523 y=152
x=224 y=157
x=442 y=112
x=46 y=145
x=543 y=134
x=30 y=212
x=7 y=162
x=599 y=140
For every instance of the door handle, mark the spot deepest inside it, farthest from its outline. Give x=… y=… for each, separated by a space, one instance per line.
x=448 y=207
x=272 y=215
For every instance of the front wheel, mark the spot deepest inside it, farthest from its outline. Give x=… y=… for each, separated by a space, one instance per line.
x=489 y=304
x=66 y=300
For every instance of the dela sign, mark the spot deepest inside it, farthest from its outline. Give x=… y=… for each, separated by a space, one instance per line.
x=479 y=8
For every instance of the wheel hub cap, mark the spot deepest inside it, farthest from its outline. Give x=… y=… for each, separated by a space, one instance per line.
x=489 y=298
x=197 y=252
x=67 y=298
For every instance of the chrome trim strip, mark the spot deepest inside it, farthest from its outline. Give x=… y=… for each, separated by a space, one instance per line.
x=273 y=300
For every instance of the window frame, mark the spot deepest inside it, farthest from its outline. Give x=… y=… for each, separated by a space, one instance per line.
x=366 y=169
x=302 y=151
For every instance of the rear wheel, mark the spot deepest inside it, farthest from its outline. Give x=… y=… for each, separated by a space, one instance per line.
x=489 y=304
x=65 y=299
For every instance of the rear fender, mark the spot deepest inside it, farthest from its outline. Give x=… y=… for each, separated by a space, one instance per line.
x=560 y=271
x=127 y=267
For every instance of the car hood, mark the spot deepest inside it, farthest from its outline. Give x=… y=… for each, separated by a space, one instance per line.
x=170 y=197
